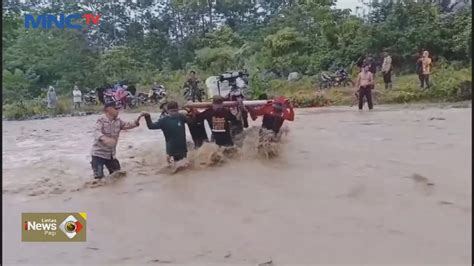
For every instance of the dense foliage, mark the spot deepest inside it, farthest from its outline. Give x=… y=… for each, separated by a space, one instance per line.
x=147 y=40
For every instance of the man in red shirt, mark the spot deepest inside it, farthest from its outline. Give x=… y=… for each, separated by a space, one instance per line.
x=274 y=114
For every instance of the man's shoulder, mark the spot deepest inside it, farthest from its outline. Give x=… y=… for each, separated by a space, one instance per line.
x=172 y=117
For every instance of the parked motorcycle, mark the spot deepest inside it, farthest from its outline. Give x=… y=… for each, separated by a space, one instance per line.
x=340 y=77
x=156 y=93
x=121 y=97
x=142 y=98
x=90 y=98
x=131 y=100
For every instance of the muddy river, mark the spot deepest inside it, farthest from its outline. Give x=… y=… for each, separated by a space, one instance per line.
x=392 y=186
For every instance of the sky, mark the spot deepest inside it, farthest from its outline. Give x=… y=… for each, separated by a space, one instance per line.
x=347 y=4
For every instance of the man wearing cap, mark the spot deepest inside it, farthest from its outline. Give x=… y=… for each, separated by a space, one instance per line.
x=219 y=119
x=174 y=131
x=274 y=114
x=106 y=134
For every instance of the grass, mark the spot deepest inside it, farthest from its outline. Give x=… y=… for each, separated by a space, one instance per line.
x=448 y=85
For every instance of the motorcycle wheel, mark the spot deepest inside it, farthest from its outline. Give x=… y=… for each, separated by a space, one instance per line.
x=328 y=85
x=324 y=85
x=133 y=103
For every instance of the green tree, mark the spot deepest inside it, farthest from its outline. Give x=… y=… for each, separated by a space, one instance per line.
x=285 y=51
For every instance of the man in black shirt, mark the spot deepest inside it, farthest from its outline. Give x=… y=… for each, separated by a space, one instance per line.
x=197 y=130
x=174 y=131
x=219 y=119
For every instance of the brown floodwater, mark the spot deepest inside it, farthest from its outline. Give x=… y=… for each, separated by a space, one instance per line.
x=391 y=186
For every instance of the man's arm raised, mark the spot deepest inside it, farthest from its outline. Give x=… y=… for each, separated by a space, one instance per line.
x=150 y=124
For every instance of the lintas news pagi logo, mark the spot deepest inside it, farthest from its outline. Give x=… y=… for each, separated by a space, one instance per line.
x=61 y=21
x=53 y=227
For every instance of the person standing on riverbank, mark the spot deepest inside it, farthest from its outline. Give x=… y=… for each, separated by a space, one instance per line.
x=425 y=70
x=52 y=99
x=77 y=97
x=387 y=70
x=365 y=82
x=106 y=134
x=372 y=68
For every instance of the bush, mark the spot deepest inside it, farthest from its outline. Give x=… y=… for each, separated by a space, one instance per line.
x=450 y=84
x=312 y=101
x=24 y=109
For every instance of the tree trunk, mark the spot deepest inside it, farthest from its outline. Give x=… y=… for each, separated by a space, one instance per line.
x=209 y=3
x=203 y=23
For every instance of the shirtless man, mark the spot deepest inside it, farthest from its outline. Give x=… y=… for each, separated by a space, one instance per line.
x=365 y=83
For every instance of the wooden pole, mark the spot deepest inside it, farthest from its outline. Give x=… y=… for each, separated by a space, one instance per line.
x=227 y=103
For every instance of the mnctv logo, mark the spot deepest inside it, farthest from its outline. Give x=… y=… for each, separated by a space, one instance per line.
x=61 y=21
x=53 y=227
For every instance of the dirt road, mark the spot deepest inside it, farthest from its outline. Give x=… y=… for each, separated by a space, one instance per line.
x=392 y=186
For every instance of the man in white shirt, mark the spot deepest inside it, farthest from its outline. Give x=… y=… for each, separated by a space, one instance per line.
x=387 y=70
x=77 y=97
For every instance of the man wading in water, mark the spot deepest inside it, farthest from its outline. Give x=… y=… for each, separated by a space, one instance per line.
x=365 y=83
x=274 y=114
x=197 y=129
x=219 y=119
x=174 y=131
x=106 y=134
